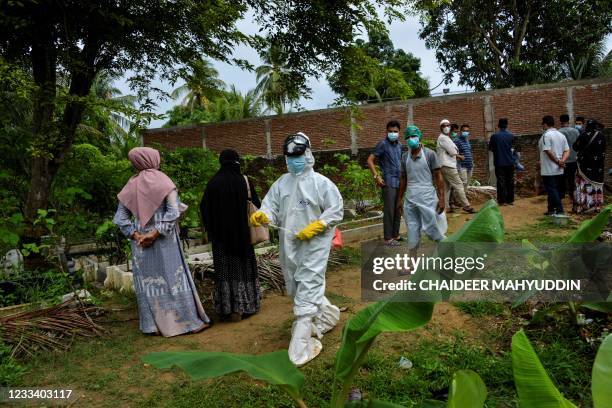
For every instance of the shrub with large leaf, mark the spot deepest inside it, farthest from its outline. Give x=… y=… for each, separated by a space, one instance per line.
x=274 y=368
x=588 y=231
x=533 y=385
x=535 y=388
x=601 y=385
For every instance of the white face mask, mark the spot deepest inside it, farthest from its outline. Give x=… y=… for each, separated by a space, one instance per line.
x=446 y=130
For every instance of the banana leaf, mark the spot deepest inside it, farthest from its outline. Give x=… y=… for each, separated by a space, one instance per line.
x=486 y=226
x=467 y=390
x=604 y=307
x=362 y=329
x=602 y=375
x=398 y=313
x=274 y=368
x=591 y=229
x=533 y=385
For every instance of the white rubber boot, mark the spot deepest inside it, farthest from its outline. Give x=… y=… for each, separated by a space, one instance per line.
x=327 y=318
x=303 y=347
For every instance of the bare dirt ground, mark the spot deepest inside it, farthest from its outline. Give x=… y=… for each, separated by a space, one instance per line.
x=270 y=329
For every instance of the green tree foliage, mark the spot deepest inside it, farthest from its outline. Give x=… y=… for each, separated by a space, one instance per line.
x=229 y=105
x=201 y=84
x=374 y=71
x=594 y=62
x=504 y=43
x=274 y=81
x=77 y=40
x=111 y=121
x=190 y=169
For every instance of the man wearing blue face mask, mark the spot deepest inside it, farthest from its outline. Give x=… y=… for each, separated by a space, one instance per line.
x=423 y=183
x=305 y=206
x=465 y=164
x=387 y=155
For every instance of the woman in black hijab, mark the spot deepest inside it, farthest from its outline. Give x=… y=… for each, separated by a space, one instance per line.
x=224 y=213
x=591 y=158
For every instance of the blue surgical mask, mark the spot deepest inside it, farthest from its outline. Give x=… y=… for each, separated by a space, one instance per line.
x=465 y=134
x=414 y=142
x=579 y=127
x=392 y=136
x=296 y=164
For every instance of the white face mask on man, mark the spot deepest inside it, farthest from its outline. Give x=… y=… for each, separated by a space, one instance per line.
x=446 y=130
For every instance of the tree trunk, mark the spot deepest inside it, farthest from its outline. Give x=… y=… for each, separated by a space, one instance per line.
x=44 y=68
x=53 y=136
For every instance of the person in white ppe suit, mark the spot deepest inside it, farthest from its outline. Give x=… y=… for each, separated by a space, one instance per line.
x=305 y=206
x=423 y=184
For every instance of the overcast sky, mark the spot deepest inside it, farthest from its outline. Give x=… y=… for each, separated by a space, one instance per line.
x=404 y=35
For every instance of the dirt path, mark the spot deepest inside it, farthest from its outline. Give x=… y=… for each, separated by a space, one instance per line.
x=270 y=329
x=523 y=212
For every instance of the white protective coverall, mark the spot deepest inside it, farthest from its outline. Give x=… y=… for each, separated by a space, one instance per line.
x=421 y=201
x=293 y=202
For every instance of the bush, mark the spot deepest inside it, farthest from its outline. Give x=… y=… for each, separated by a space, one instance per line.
x=85 y=190
x=190 y=169
x=353 y=180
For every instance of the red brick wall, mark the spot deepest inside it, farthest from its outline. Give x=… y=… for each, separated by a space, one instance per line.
x=372 y=122
x=322 y=127
x=458 y=109
x=525 y=110
x=331 y=128
x=246 y=137
x=594 y=102
x=187 y=136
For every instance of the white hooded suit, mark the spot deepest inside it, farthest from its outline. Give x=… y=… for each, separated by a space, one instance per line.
x=293 y=202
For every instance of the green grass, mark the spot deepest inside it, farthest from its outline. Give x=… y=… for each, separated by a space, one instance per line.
x=481 y=308
x=543 y=230
x=108 y=370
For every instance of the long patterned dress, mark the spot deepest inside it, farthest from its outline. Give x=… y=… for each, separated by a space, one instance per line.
x=167 y=299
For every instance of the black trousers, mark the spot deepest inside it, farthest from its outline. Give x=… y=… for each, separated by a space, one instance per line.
x=569 y=184
x=391 y=214
x=505 y=184
x=553 y=185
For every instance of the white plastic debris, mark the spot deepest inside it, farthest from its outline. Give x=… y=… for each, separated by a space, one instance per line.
x=81 y=294
x=404 y=363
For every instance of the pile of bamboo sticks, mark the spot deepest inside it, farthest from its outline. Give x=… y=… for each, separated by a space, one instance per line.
x=49 y=328
x=269 y=268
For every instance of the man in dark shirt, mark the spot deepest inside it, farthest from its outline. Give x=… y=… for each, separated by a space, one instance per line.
x=501 y=146
x=569 y=171
x=387 y=155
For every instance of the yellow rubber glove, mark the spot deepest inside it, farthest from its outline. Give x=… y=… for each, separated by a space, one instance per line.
x=312 y=229
x=258 y=218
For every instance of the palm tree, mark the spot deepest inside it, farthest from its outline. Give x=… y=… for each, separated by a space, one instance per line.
x=234 y=105
x=103 y=89
x=202 y=84
x=244 y=106
x=273 y=81
x=111 y=118
x=593 y=63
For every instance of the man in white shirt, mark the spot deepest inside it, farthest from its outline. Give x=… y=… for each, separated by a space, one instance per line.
x=447 y=158
x=554 y=151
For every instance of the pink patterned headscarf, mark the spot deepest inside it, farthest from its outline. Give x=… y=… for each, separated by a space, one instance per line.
x=146 y=191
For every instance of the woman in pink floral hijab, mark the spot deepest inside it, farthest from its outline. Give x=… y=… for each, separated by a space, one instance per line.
x=148 y=213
